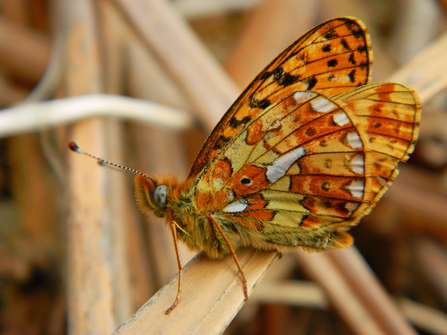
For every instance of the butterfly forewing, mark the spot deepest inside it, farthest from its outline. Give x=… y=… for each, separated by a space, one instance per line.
x=331 y=58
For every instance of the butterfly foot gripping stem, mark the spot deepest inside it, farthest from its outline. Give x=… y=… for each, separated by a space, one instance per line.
x=212 y=220
x=278 y=253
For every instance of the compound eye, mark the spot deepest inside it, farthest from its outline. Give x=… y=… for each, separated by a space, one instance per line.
x=160 y=196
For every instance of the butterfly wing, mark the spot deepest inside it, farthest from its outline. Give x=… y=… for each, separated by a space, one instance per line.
x=331 y=58
x=387 y=116
x=308 y=167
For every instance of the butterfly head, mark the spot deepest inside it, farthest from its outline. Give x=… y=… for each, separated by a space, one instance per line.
x=152 y=196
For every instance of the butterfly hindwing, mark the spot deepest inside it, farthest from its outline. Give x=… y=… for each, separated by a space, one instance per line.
x=306 y=168
x=331 y=58
x=388 y=116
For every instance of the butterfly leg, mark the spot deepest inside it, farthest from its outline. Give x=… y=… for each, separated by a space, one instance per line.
x=212 y=220
x=278 y=253
x=179 y=265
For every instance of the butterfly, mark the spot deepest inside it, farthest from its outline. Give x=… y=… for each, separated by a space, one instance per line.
x=301 y=156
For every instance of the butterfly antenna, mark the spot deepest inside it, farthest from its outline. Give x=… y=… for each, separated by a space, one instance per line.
x=74 y=147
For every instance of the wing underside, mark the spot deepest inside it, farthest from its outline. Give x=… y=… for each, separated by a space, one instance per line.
x=308 y=167
x=331 y=58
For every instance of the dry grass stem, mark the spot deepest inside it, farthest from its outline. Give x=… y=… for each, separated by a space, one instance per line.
x=43 y=115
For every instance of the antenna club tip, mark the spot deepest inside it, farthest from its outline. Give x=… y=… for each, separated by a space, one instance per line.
x=73 y=146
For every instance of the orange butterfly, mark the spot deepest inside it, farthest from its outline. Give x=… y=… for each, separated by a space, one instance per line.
x=298 y=159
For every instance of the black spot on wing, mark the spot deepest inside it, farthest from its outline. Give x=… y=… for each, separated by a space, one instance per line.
x=327 y=48
x=221 y=141
x=255 y=103
x=345 y=44
x=351 y=76
x=352 y=59
x=363 y=65
x=277 y=73
x=330 y=34
x=246 y=181
x=311 y=82
x=362 y=49
x=332 y=63
x=283 y=78
x=288 y=79
x=356 y=32
x=265 y=75
x=342 y=209
x=302 y=56
x=235 y=123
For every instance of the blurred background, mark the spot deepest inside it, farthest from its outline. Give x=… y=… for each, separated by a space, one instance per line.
x=64 y=220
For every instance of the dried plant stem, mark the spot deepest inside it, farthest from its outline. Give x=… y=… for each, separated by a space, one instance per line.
x=211 y=296
x=41 y=115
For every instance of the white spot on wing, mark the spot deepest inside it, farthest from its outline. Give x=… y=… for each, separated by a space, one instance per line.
x=301 y=97
x=280 y=166
x=230 y=195
x=217 y=183
x=354 y=140
x=322 y=105
x=356 y=188
x=236 y=207
x=351 y=207
x=357 y=164
x=345 y=79
x=341 y=119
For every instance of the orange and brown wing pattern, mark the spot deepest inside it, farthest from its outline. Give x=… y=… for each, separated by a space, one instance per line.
x=331 y=58
x=307 y=168
x=387 y=116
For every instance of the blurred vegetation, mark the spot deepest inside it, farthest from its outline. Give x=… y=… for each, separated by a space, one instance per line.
x=404 y=239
